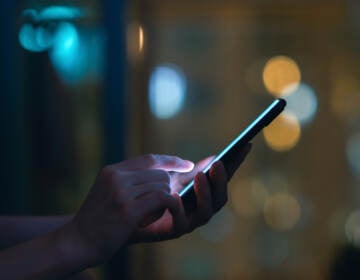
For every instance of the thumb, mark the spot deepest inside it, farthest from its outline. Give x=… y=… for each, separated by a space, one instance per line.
x=153 y=161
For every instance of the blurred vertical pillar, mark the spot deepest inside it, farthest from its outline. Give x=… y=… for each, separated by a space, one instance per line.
x=13 y=159
x=114 y=105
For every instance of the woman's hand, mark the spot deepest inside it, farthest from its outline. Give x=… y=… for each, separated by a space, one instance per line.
x=123 y=197
x=211 y=196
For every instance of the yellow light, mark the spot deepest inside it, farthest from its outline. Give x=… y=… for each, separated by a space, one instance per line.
x=283 y=133
x=282 y=211
x=248 y=197
x=281 y=76
x=135 y=42
x=141 y=38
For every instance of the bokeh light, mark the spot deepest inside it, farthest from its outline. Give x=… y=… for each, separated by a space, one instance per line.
x=54 y=13
x=248 y=197
x=352 y=228
x=283 y=133
x=77 y=54
x=353 y=153
x=141 y=38
x=167 y=89
x=61 y=13
x=135 y=39
x=66 y=54
x=282 y=211
x=302 y=103
x=44 y=37
x=281 y=75
x=29 y=38
x=220 y=226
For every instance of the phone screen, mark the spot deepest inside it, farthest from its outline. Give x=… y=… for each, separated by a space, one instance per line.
x=265 y=118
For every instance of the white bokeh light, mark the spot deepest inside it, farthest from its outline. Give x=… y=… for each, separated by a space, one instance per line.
x=167 y=89
x=302 y=103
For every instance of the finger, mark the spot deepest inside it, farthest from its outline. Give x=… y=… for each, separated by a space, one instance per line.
x=185 y=178
x=152 y=161
x=202 y=164
x=180 y=221
x=150 y=203
x=218 y=182
x=146 y=176
x=234 y=161
x=204 y=208
x=136 y=191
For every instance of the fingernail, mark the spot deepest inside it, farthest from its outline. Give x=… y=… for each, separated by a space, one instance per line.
x=189 y=164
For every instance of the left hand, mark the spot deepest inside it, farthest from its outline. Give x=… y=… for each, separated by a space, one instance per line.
x=211 y=196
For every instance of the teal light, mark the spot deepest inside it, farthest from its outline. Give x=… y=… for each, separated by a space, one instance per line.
x=54 y=13
x=77 y=54
x=28 y=38
x=66 y=54
x=60 y=12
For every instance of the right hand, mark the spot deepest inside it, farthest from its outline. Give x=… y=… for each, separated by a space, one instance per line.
x=123 y=196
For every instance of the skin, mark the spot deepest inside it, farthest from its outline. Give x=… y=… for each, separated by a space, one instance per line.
x=130 y=202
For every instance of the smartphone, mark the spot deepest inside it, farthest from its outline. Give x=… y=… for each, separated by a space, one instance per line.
x=226 y=156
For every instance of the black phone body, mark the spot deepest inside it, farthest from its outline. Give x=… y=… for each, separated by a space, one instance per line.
x=265 y=118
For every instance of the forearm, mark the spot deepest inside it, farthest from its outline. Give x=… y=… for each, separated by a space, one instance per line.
x=15 y=230
x=55 y=255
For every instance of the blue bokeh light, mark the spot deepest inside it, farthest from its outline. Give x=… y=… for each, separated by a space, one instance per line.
x=66 y=54
x=167 y=90
x=78 y=54
x=54 y=13
x=29 y=39
x=302 y=103
x=61 y=12
x=44 y=37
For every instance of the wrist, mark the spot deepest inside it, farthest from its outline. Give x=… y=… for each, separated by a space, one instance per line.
x=72 y=249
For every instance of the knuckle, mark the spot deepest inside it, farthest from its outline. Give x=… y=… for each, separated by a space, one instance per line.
x=110 y=176
x=163 y=175
x=113 y=178
x=160 y=196
x=164 y=187
x=151 y=159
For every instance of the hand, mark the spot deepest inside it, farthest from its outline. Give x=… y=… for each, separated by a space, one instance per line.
x=211 y=196
x=124 y=195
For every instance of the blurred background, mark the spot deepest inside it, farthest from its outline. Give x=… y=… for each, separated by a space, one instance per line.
x=87 y=83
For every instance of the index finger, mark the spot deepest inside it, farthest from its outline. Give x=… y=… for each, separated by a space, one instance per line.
x=153 y=161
